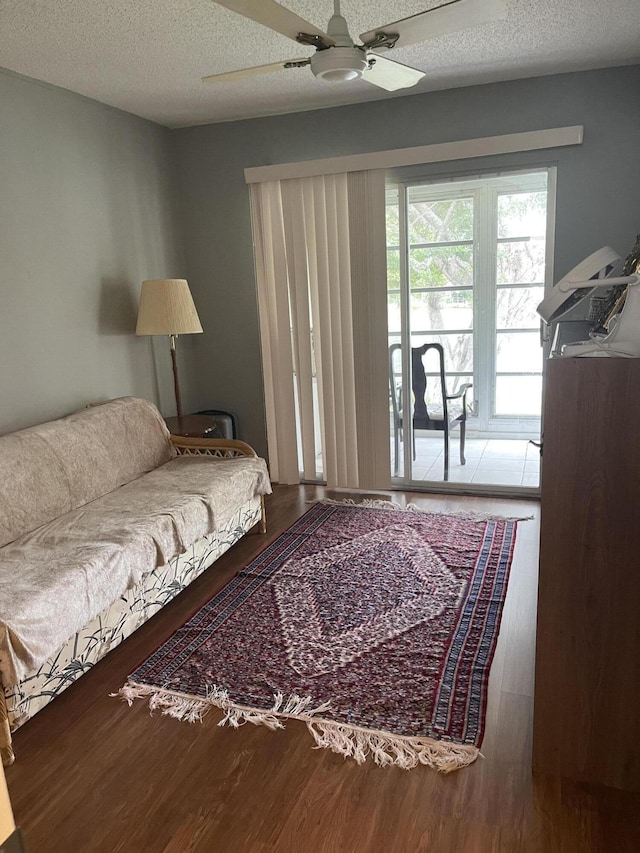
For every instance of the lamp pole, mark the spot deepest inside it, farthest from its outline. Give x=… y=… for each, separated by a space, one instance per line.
x=176 y=381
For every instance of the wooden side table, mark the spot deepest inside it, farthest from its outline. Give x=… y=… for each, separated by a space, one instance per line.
x=197 y=426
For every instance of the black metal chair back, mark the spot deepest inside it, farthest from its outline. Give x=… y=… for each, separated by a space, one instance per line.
x=422 y=417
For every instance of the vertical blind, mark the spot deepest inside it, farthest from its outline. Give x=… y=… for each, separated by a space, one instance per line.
x=321 y=274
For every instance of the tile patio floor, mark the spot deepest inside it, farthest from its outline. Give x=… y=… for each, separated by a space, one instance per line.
x=505 y=462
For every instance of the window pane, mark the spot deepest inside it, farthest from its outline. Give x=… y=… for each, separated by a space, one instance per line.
x=521 y=262
x=522 y=214
x=439 y=221
x=449 y=309
x=449 y=266
x=516 y=307
x=518 y=395
x=458 y=351
x=393 y=226
x=393 y=269
x=393 y=316
x=518 y=352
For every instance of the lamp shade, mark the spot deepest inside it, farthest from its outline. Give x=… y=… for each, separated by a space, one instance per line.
x=166 y=308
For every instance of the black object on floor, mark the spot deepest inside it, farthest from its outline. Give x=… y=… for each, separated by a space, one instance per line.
x=226 y=421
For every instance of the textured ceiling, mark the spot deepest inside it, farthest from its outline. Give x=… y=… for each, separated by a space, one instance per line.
x=147 y=56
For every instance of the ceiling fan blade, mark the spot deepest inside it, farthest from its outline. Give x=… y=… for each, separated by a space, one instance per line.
x=276 y=17
x=230 y=76
x=449 y=18
x=391 y=75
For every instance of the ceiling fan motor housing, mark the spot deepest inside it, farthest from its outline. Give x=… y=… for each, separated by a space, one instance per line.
x=338 y=64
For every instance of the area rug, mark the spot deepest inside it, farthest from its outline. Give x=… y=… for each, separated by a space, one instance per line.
x=373 y=624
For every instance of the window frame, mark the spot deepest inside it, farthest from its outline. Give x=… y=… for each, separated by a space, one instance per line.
x=485 y=190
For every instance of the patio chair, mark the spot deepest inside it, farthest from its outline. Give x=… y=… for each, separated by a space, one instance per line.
x=452 y=411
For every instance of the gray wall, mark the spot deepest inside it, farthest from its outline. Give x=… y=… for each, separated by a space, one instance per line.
x=93 y=200
x=85 y=216
x=597 y=203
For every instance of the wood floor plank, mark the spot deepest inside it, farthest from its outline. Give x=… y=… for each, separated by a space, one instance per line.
x=94 y=775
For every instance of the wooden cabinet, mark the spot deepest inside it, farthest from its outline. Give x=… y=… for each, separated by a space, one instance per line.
x=587 y=691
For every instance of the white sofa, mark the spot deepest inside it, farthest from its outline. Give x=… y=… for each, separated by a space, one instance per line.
x=104 y=518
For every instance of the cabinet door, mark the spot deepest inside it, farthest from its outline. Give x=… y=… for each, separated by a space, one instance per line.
x=587 y=693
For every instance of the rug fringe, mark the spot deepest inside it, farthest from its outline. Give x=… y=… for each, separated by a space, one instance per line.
x=370 y=503
x=389 y=749
x=192 y=709
x=350 y=741
x=187 y=709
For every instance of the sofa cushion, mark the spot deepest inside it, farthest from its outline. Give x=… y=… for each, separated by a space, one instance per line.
x=54 y=580
x=105 y=446
x=33 y=484
x=52 y=468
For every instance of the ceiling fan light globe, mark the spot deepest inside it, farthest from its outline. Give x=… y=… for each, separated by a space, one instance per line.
x=340 y=75
x=339 y=64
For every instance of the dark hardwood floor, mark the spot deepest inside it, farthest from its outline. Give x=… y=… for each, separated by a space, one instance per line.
x=92 y=774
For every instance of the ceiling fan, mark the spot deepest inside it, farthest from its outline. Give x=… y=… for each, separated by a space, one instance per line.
x=338 y=58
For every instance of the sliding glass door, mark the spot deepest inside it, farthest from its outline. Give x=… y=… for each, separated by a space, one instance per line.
x=467 y=263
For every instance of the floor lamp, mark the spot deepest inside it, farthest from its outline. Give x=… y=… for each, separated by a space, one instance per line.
x=166 y=308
